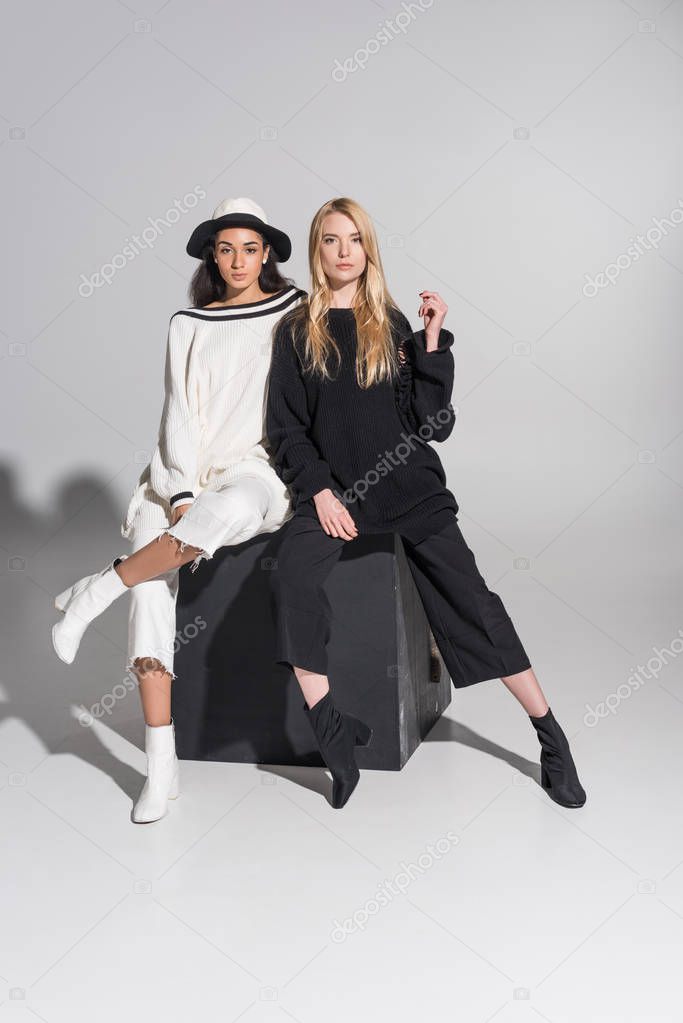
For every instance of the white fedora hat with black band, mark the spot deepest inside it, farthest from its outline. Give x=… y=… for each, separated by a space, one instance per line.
x=239 y=213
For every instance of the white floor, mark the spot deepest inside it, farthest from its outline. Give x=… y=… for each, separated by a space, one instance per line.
x=454 y=888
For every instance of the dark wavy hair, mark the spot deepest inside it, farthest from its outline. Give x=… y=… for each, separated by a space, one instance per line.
x=208 y=286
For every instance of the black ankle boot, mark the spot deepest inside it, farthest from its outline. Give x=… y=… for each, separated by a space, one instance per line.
x=558 y=771
x=337 y=734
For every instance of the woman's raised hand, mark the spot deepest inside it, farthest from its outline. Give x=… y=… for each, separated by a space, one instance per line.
x=433 y=309
x=334 y=518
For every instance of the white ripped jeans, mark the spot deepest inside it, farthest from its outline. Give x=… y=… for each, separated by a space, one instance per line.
x=217 y=518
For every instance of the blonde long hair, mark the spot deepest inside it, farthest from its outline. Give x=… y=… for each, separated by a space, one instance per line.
x=376 y=357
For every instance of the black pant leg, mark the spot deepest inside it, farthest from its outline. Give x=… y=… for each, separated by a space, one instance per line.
x=472 y=629
x=302 y=611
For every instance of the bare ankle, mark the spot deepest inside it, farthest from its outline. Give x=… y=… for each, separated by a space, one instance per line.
x=148 y=666
x=314 y=686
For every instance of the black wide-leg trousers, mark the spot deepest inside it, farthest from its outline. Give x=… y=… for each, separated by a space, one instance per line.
x=472 y=629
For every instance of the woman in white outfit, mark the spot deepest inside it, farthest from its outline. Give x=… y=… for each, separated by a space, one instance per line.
x=210 y=482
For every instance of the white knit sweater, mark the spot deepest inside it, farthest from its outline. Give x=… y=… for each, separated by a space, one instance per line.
x=212 y=428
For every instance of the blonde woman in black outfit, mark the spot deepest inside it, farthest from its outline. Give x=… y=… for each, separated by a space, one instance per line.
x=354 y=397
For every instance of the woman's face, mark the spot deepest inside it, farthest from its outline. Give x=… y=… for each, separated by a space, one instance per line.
x=341 y=250
x=239 y=255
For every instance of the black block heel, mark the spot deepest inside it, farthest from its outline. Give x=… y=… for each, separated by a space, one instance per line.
x=363 y=732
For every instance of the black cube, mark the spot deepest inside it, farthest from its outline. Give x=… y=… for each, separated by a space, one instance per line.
x=232 y=702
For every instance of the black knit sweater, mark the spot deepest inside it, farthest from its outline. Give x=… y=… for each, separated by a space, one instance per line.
x=369 y=446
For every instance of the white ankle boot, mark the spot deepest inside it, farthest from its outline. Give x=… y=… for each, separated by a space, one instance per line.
x=81 y=603
x=162 y=781
x=63 y=599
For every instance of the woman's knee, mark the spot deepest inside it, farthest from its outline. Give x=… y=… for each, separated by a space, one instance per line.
x=238 y=514
x=246 y=514
x=293 y=586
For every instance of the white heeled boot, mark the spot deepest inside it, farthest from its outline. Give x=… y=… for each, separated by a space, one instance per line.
x=81 y=603
x=163 y=772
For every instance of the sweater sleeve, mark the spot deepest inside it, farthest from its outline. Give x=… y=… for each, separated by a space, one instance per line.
x=174 y=464
x=426 y=380
x=297 y=460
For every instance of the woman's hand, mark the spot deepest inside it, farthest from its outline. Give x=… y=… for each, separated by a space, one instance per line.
x=433 y=309
x=334 y=518
x=179 y=511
